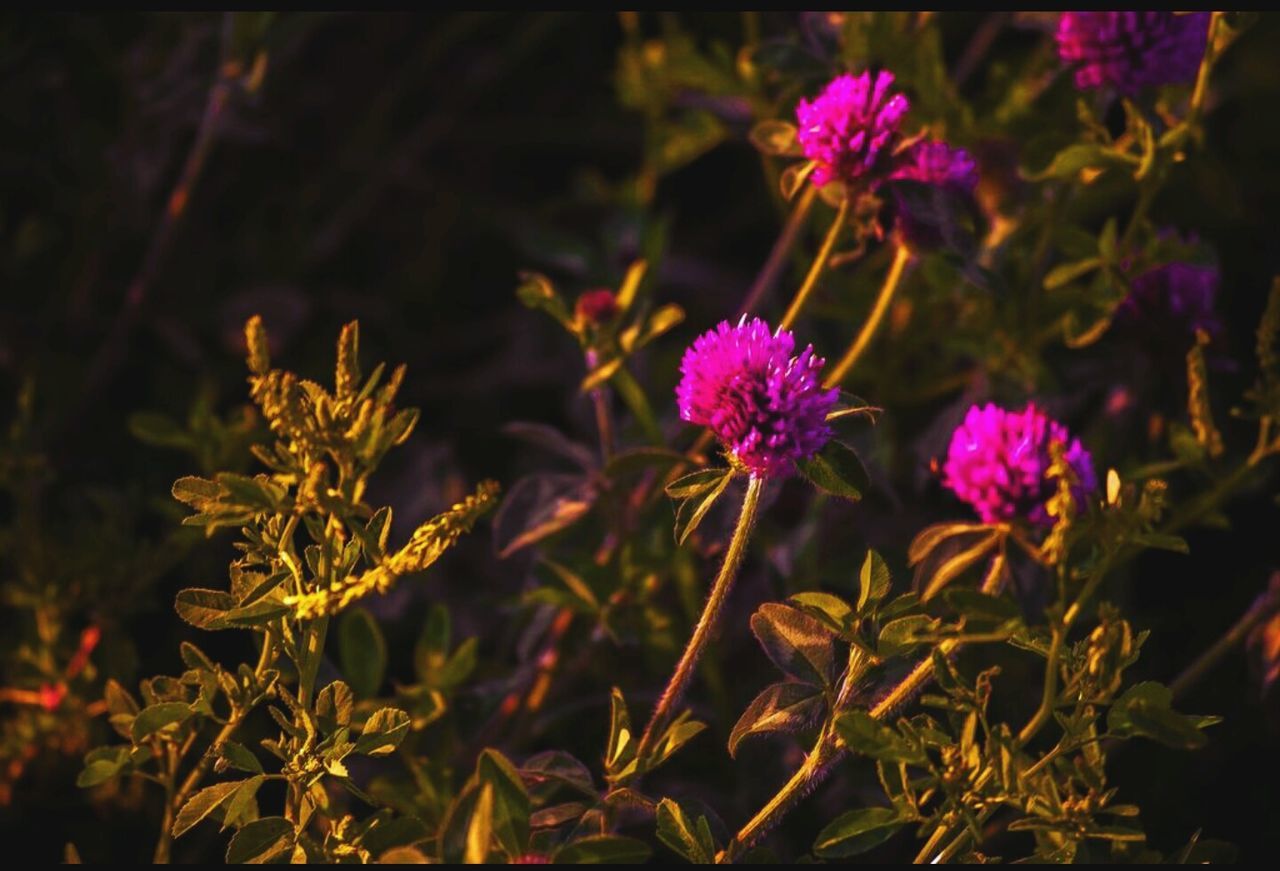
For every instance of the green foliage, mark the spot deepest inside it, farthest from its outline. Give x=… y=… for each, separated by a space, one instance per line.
x=972 y=705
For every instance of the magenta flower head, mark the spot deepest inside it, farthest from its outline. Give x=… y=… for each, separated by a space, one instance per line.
x=849 y=129
x=998 y=459
x=926 y=221
x=1130 y=51
x=765 y=405
x=1172 y=302
x=941 y=164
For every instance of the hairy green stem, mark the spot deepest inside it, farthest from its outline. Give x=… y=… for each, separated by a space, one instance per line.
x=890 y=286
x=1262 y=609
x=683 y=674
x=781 y=249
x=828 y=750
x=175 y=799
x=819 y=264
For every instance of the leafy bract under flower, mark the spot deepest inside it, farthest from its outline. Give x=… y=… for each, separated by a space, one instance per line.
x=767 y=406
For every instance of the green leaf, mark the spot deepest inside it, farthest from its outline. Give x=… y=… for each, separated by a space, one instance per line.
x=1065 y=273
x=693 y=509
x=836 y=470
x=633 y=460
x=556 y=766
x=794 y=177
x=578 y=588
x=242 y=798
x=833 y=611
x=193 y=657
x=362 y=652
x=775 y=137
x=205 y=609
x=903 y=634
x=864 y=734
x=681 y=731
x=782 y=707
x=155 y=717
x=203 y=803
x=536 y=292
x=873 y=580
x=603 y=850
x=696 y=483
x=982 y=606
x=511 y=806
x=620 y=751
x=334 y=705
x=101 y=765
x=801 y=645
x=856 y=832
x=236 y=755
x=480 y=828
x=1146 y=710
x=383 y=732
x=690 y=840
x=261 y=841
x=1068 y=162
x=929 y=538
x=953 y=565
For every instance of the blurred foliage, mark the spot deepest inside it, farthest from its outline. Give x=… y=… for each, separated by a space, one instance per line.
x=169 y=176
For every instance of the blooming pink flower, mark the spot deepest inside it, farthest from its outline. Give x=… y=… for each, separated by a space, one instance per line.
x=1130 y=51
x=997 y=462
x=849 y=129
x=765 y=405
x=938 y=163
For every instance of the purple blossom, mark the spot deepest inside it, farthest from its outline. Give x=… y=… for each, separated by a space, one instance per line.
x=1172 y=302
x=939 y=163
x=767 y=406
x=849 y=128
x=998 y=459
x=1130 y=51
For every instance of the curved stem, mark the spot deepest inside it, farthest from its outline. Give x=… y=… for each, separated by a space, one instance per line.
x=819 y=264
x=1263 y=608
x=891 y=281
x=781 y=248
x=177 y=798
x=807 y=778
x=683 y=674
x=828 y=750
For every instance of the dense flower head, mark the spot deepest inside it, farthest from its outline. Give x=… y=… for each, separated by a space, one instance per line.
x=998 y=459
x=938 y=163
x=850 y=127
x=1172 y=302
x=1130 y=51
x=764 y=403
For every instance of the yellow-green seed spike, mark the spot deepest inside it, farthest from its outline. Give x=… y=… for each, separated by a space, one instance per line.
x=255 y=339
x=347 y=376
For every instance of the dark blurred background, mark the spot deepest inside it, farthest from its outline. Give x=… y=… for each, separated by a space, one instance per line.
x=402 y=169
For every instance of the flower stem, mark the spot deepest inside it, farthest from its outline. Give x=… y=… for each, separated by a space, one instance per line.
x=683 y=674
x=1261 y=610
x=781 y=248
x=828 y=750
x=819 y=264
x=176 y=798
x=891 y=281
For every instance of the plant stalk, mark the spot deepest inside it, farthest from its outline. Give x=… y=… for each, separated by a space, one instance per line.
x=683 y=674
x=890 y=286
x=815 y=271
